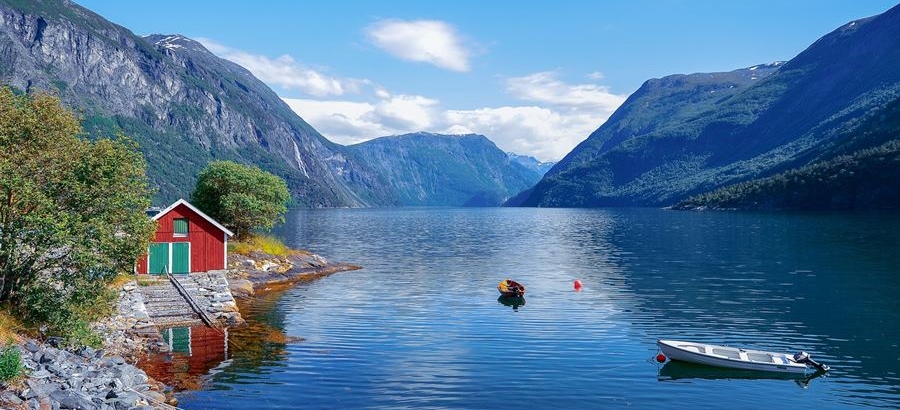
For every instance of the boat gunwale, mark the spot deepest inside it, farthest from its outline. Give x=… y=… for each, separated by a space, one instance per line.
x=789 y=366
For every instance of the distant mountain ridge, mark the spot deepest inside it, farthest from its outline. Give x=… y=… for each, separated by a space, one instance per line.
x=686 y=134
x=532 y=163
x=426 y=169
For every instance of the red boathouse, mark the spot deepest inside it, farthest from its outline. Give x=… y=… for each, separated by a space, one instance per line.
x=187 y=240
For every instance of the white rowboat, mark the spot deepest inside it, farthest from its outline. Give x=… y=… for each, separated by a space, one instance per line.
x=737 y=358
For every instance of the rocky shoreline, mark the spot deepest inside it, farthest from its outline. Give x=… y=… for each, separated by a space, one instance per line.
x=105 y=379
x=260 y=272
x=83 y=379
x=108 y=379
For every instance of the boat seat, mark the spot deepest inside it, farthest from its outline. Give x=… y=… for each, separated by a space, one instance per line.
x=761 y=357
x=731 y=354
x=695 y=348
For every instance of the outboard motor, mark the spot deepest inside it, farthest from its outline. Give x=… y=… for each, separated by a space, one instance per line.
x=803 y=357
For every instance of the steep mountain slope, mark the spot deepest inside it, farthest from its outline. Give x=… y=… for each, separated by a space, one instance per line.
x=680 y=136
x=457 y=170
x=866 y=178
x=181 y=103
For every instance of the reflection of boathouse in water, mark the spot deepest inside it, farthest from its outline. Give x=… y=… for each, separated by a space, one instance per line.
x=195 y=351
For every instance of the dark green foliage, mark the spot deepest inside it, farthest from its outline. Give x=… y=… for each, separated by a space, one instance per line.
x=243 y=198
x=10 y=363
x=66 y=313
x=71 y=211
x=865 y=180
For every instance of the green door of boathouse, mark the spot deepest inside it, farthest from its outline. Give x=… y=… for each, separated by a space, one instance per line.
x=181 y=256
x=159 y=258
x=171 y=257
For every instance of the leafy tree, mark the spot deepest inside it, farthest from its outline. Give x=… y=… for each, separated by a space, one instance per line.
x=242 y=197
x=71 y=211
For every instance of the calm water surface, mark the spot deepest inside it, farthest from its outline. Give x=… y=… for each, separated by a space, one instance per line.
x=421 y=327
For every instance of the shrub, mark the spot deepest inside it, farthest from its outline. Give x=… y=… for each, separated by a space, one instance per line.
x=10 y=363
x=66 y=313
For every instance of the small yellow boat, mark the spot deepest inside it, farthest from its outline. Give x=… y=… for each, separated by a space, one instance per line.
x=511 y=289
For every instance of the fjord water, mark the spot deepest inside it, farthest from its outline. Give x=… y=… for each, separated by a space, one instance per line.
x=421 y=327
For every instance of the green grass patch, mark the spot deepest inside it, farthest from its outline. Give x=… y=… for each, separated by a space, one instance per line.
x=10 y=363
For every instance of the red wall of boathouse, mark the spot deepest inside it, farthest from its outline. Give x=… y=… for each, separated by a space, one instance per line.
x=208 y=244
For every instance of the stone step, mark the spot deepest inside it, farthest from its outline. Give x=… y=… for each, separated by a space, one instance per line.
x=169 y=288
x=163 y=297
x=163 y=303
x=167 y=313
x=157 y=294
x=172 y=312
x=164 y=311
x=172 y=319
x=178 y=322
x=174 y=295
x=167 y=304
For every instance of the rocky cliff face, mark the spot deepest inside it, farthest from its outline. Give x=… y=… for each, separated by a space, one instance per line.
x=181 y=103
x=687 y=134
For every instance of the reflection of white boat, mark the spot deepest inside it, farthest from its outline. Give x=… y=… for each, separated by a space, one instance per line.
x=737 y=358
x=679 y=370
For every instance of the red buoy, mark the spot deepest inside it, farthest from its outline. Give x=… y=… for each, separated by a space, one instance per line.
x=577 y=285
x=661 y=358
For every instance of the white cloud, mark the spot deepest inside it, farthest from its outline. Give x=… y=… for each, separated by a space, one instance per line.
x=596 y=75
x=542 y=132
x=565 y=116
x=347 y=122
x=405 y=112
x=547 y=133
x=429 y=41
x=457 y=129
x=343 y=122
x=285 y=72
x=544 y=87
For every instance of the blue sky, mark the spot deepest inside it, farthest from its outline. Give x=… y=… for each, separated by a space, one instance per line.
x=535 y=77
